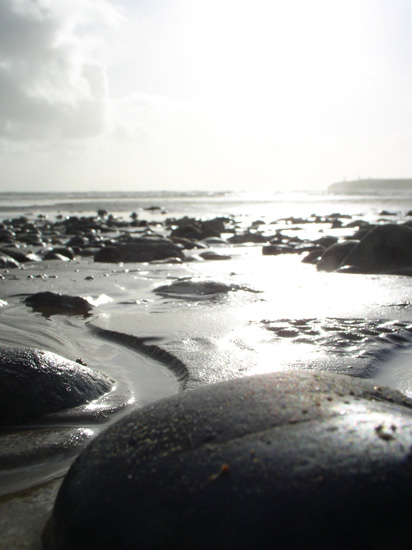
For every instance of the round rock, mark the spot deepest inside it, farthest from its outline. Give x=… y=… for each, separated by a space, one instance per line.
x=285 y=460
x=50 y=303
x=35 y=382
x=191 y=289
x=384 y=248
x=335 y=254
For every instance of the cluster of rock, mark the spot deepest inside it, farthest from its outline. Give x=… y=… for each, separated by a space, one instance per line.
x=104 y=238
x=296 y=459
x=381 y=248
x=373 y=249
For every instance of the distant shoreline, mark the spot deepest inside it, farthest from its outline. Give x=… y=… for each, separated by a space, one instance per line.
x=371 y=185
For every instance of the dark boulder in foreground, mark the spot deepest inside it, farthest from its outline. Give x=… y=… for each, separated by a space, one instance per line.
x=140 y=250
x=385 y=248
x=286 y=460
x=35 y=382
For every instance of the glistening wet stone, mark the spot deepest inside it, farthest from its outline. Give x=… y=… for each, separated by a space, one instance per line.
x=34 y=383
x=50 y=303
x=284 y=460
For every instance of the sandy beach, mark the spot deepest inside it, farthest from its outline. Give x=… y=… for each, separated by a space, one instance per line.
x=166 y=326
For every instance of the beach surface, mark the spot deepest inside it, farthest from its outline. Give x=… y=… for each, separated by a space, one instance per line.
x=166 y=326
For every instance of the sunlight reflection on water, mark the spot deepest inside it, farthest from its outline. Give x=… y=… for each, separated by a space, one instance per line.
x=338 y=308
x=290 y=288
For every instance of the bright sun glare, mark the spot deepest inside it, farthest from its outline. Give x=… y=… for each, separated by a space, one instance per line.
x=205 y=94
x=269 y=81
x=273 y=56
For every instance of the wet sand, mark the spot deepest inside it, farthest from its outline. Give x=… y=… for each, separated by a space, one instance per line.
x=277 y=314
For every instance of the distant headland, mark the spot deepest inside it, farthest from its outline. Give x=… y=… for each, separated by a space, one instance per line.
x=371 y=185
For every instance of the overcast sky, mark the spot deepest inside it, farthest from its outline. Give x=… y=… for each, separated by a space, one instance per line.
x=203 y=94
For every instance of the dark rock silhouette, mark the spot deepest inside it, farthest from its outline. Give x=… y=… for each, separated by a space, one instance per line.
x=34 y=383
x=51 y=303
x=140 y=250
x=287 y=460
x=335 y=254
x=384 y=248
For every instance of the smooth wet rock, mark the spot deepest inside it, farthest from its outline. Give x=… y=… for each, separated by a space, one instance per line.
x=66 y=253
x=285 y=460
x=189 y=288
x=313 y=256
x=247 y=237
x=141 y=250
x=189 y=231
x=211 y=241
x=34 y=383
x=213 y=255
x=50 y=303
x=19 y=256
x=8 y=262
x=51 y=255
x=192 y=228
x=326 y=241
x=335 y=254
x=276 y=249
x=6 y=235
x=384 y=248
x=188 y=244
x=78 y=241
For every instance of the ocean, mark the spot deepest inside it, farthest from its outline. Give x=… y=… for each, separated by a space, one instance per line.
x=206 y=204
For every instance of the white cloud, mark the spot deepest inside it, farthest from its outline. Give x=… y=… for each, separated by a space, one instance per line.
x=207 y=93
x=50 y=85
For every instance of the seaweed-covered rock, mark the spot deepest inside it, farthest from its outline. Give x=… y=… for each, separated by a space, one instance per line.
x=35 y=382
x=287 y=460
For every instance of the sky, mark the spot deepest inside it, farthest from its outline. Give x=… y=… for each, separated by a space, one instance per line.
x=138 y=95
